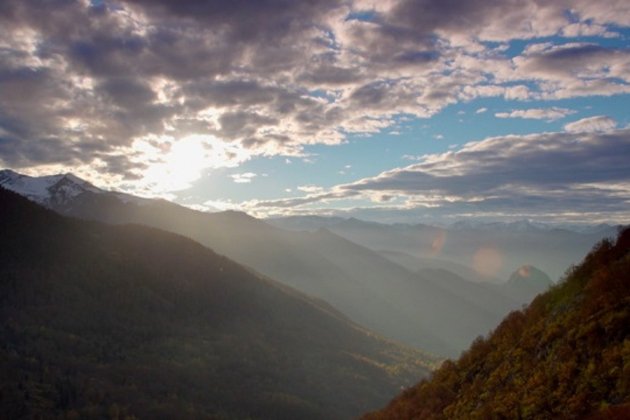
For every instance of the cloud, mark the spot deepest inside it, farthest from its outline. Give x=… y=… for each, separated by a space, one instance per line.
x=575 y=69
x=537 y=174
x=310 y=189
x=83 y=83
x=548 y=114
x=218 y=205
x=411 y=157
x=581 y=29
x=600 y=123
x=243 y=178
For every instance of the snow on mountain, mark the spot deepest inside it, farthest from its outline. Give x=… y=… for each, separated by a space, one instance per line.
x=517 y=226
x=46 y=189
x=588 y=228
x=59 y=190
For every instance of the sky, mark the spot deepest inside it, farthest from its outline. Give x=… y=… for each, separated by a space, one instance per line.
x=388 y=110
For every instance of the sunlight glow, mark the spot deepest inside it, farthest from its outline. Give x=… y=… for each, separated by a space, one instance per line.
x=175 y=164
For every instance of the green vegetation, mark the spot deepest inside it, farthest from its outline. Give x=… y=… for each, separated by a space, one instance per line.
x=567 y=355
x=101 y=321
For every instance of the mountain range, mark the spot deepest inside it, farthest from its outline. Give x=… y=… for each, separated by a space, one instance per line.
x=128 y=321
x=493 y=250
x=122 y=320
x=428 y=307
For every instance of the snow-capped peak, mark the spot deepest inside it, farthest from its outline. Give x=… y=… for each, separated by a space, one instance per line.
x=46 y=189
x=516 y=226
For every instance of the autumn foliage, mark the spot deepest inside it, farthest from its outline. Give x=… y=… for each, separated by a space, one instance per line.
x=567 y=355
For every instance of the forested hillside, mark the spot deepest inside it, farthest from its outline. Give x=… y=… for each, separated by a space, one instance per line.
x=567 y=355
x=98 y=321
x=418 y=309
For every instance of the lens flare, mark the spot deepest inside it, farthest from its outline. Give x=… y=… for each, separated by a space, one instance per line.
x=438 y=243
x=487 y=261
x=524 y=271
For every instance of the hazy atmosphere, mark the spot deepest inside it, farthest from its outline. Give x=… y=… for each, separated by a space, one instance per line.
x=314 y=210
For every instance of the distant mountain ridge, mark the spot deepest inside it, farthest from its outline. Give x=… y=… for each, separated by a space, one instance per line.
x=45 y=188
x=552 y=248
x=100 y=321
x=424 y=309
x=314 y=222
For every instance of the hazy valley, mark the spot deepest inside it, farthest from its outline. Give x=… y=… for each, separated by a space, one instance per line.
x=94 y=314
x=428 y=301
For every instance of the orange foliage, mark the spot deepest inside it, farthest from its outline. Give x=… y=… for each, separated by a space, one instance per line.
x=565 y=356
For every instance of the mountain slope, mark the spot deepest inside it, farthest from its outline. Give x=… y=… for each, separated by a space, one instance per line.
x=47 y=190
x=378 y=294
x=565 y=356
x=498 y=297
x=526 y=282
x=433 y=263
x=368 y=288
x=99 y=320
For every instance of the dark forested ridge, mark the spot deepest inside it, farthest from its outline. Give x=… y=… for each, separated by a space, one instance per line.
x=103 y=321
x=567 y=355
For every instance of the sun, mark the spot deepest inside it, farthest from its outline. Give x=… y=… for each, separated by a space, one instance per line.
x=175 y=164
x=178 y=166
x=186 y=159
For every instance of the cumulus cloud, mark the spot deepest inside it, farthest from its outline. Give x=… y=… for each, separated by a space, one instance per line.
x=533 y=174
x=548 y=114
x=83 y=83
x=600 y=123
